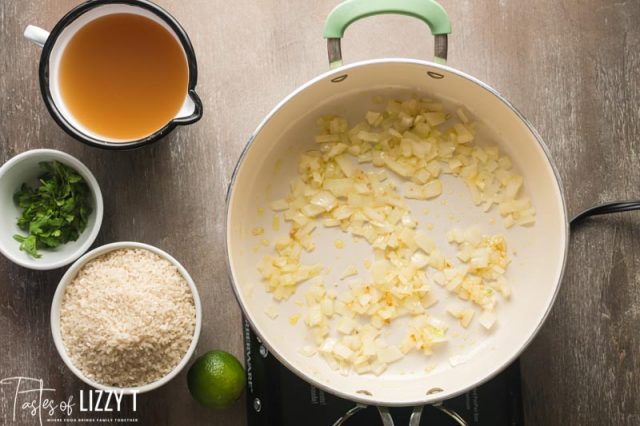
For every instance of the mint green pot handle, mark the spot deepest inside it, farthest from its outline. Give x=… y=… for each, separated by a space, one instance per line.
x=346 y=13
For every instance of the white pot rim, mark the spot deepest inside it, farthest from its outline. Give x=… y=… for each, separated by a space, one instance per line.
x=422 y=399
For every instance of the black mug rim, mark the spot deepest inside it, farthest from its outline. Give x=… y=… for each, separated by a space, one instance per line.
x=59 y=118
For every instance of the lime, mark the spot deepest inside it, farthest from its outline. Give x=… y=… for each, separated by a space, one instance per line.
x=216 y=379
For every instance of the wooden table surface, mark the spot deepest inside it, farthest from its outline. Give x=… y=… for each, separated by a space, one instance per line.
x=571 y=66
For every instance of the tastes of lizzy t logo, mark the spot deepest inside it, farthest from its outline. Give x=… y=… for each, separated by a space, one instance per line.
x=29 y=396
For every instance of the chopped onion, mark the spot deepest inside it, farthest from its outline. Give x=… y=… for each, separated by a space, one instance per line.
x=487 y=319
x=271 y=311
x=419 y=141
x=324 y=199
x=464 y=316
x=350 y=271
x=389 y=354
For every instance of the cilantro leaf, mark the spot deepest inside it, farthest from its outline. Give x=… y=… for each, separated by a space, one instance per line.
x=55 y=212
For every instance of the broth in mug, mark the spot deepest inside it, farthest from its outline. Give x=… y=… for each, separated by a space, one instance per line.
x=123 y=76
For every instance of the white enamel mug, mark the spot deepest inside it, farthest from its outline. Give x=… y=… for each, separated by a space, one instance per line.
x=54 y=43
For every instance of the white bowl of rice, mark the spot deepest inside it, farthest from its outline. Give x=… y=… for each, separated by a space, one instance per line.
x=126 y=316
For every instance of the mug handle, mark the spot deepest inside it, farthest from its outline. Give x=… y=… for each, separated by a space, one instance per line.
x=36 y=35
x=346 y=13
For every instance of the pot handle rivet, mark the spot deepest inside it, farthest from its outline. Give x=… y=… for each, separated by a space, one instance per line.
x=340 y=78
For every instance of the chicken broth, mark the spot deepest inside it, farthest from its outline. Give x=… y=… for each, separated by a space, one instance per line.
x=123 y=76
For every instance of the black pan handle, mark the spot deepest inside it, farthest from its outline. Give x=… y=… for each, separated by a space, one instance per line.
x=606 y=208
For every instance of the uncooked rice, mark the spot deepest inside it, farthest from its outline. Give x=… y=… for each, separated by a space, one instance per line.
x=127 y=318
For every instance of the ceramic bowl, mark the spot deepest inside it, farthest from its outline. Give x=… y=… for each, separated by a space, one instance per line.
x=57 y=304
x=25 y=168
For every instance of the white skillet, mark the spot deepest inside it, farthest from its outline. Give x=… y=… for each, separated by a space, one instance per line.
x=269 y=161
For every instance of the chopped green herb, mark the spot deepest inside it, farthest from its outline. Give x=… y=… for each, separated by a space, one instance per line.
x=55 y=212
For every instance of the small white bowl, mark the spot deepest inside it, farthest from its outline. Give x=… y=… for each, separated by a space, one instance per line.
x=25 y=168
x=70 y=275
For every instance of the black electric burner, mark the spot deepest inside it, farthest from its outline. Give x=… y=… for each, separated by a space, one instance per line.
x=277 y=397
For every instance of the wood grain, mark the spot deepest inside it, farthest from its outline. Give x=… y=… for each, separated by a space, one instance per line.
x=572 y=67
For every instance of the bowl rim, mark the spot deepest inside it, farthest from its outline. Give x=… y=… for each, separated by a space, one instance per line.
x=83 y=170
x=56 y=305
